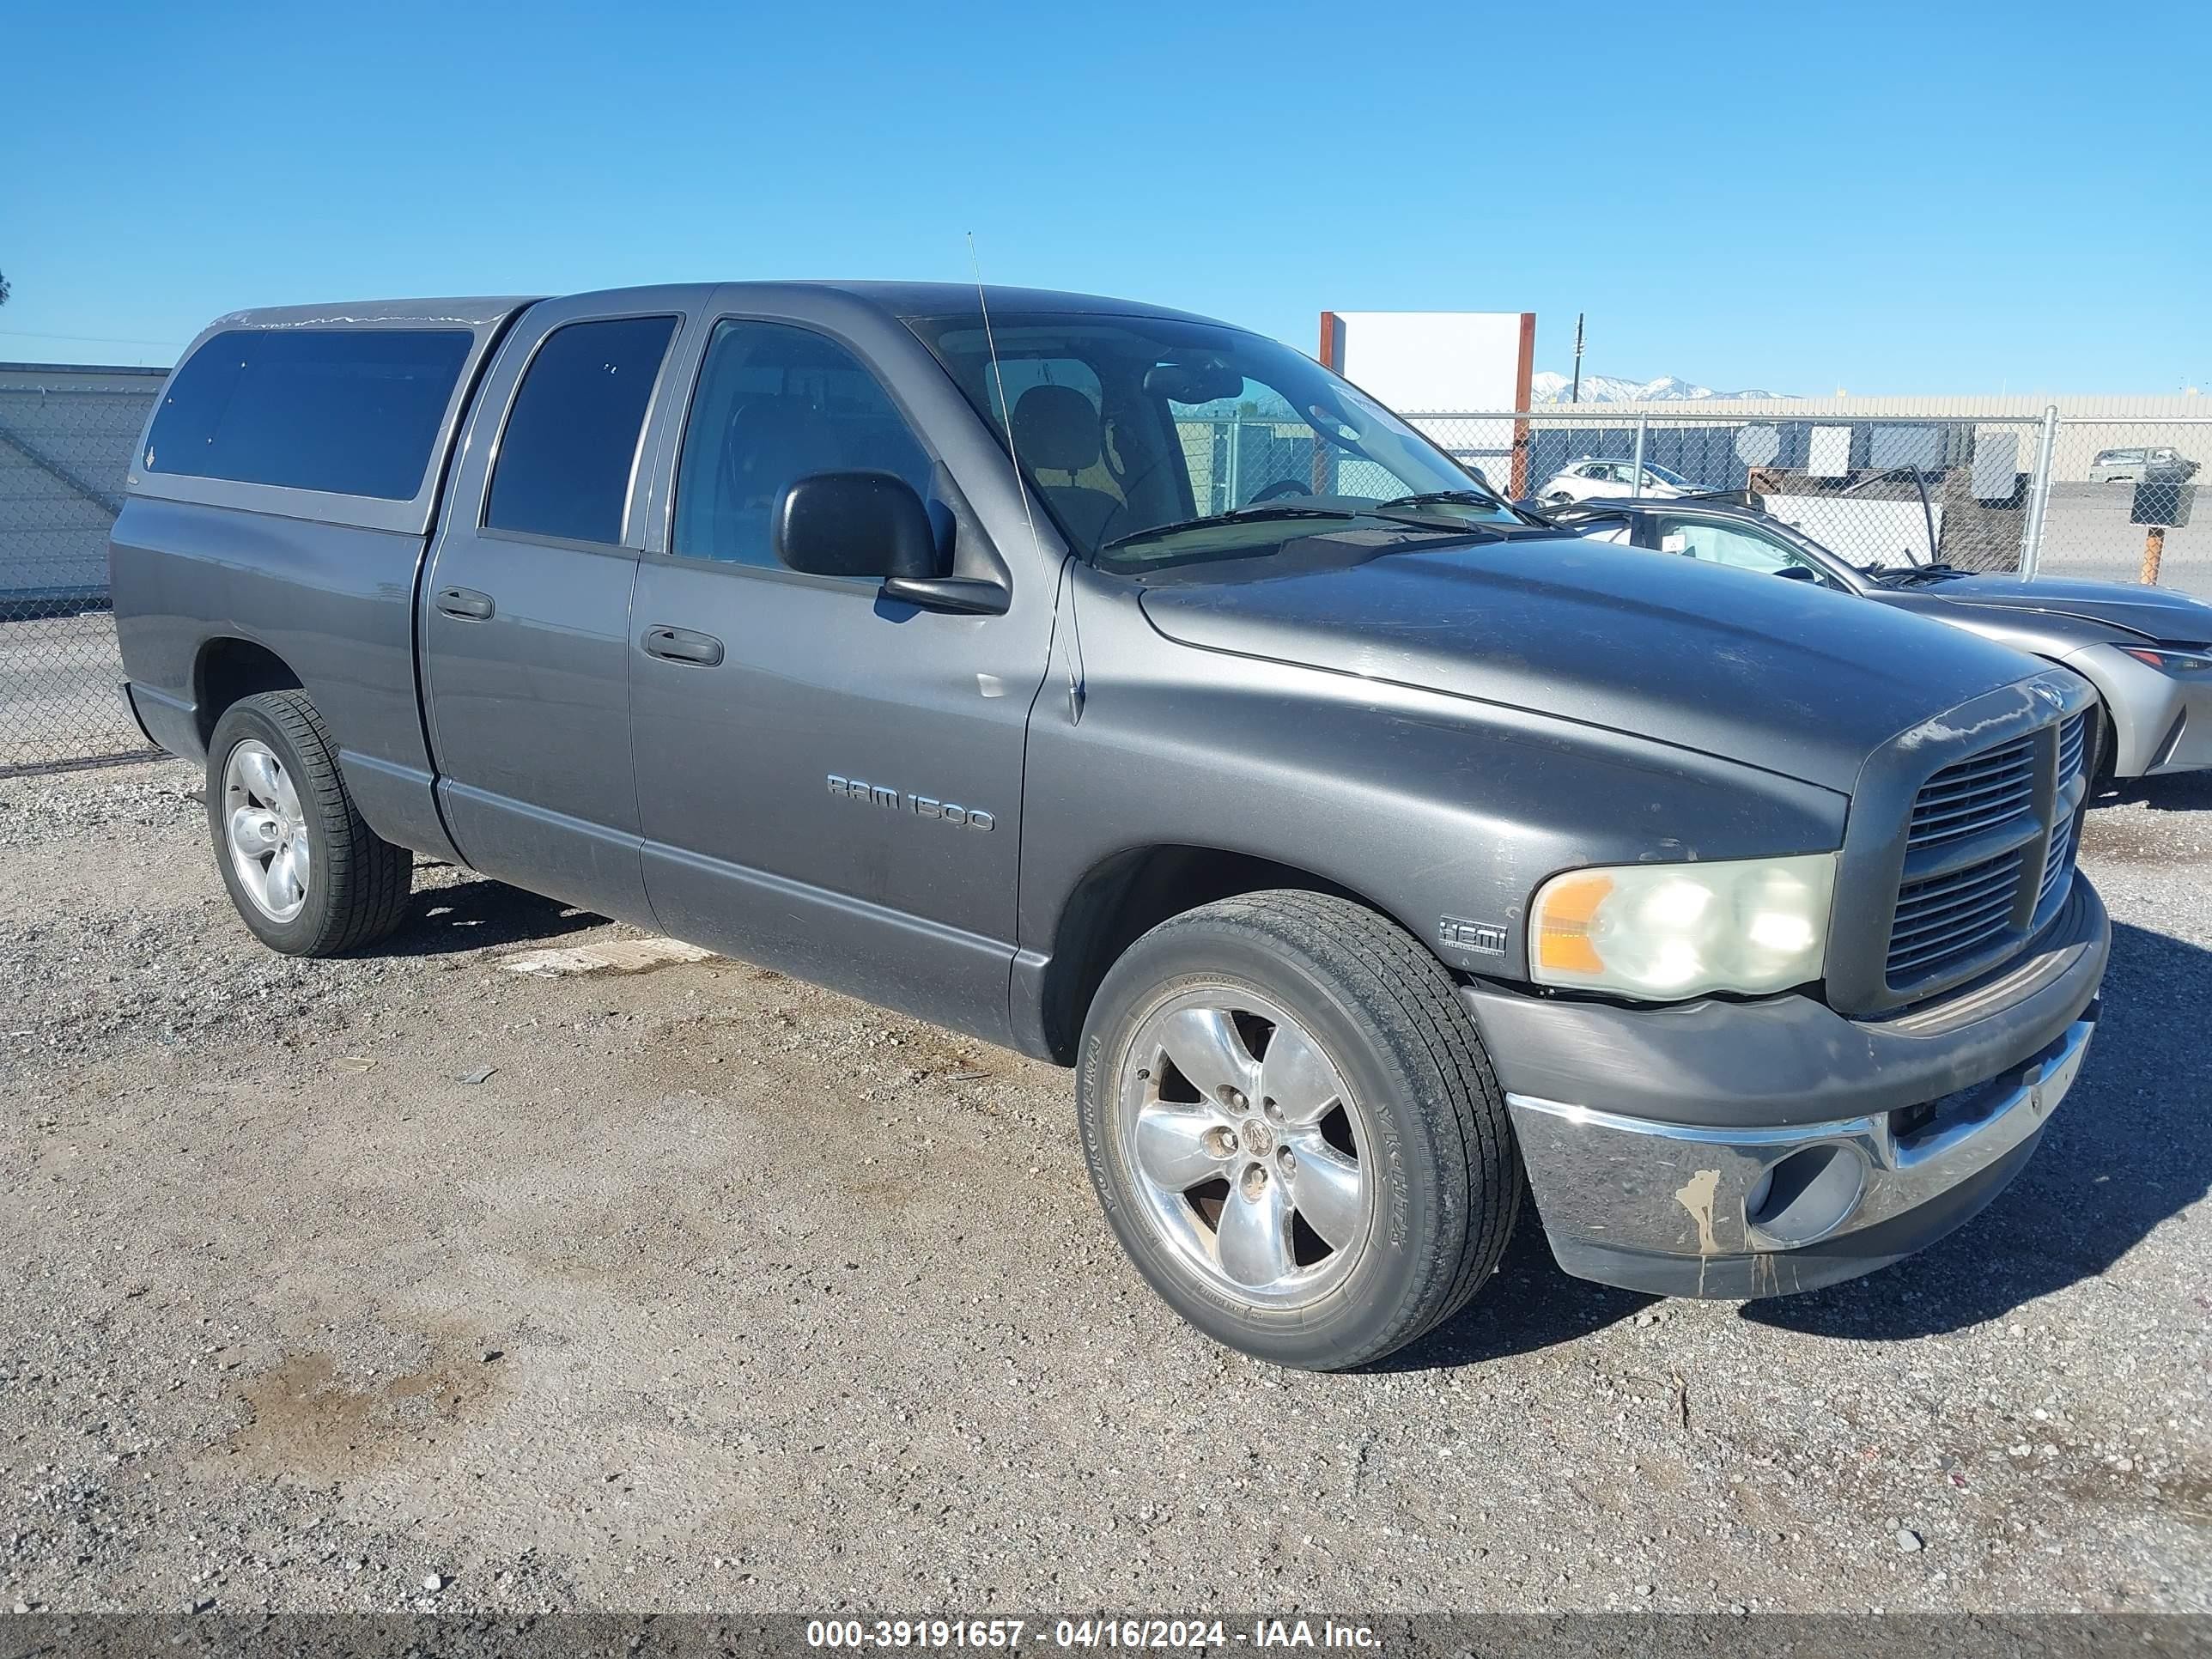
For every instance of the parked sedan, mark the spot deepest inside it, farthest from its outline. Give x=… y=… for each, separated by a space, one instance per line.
x=2146 y=650
x=1595 y=478
x=2139 y=465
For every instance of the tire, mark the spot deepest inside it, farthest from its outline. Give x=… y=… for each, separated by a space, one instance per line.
x=356 y=883
x=1325 y=1001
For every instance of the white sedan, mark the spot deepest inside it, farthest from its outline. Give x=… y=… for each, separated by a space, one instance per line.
x=1595 y=479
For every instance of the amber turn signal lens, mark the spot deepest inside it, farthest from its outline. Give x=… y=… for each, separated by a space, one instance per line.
x=1564 y=928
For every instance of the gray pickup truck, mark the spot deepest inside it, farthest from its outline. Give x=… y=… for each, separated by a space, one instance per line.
x=1125 y=688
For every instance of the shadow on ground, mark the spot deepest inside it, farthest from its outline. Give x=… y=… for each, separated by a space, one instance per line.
x=2130 y=1147
x=1527 y=1305
x=2183 y=792
x=476 y=914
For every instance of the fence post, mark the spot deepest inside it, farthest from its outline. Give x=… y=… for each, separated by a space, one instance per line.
x=2038 y=497
x=1636 y=486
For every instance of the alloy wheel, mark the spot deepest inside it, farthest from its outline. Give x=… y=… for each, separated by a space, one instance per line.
x=1248 y=1148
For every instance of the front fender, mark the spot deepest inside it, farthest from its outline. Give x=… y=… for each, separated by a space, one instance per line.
x=2144 y=705
x=1442 y=813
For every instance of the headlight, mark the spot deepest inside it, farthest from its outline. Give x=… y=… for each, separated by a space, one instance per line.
x=1664 y=931
x=2173 y=662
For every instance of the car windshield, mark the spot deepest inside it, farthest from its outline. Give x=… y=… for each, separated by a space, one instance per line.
x=1667 y=476
x=1152 y=440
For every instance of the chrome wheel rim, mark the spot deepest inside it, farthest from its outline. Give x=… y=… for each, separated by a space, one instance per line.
x=1247 y=1148
x=265 y=831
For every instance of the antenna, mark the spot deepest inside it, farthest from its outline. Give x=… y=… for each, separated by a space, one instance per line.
x=1021 y=482
x=999 y=375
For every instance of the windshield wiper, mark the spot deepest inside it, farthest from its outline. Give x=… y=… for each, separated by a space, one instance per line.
x=1467 y=497
x=1236 y=515
x=1390 y=509
x=1891 y=576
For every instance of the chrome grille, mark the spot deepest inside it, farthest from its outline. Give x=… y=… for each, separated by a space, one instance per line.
x=1949 y=918
x=1974 y=795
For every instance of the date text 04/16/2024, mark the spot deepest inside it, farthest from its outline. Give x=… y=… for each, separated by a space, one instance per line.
x=1167 y=1635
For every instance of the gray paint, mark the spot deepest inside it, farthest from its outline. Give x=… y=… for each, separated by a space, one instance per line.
x=1772 y=674
x=529 y=708
x=2081 y=625
x=1436 y=731
x=333 y=601
x=1788 y=1060
x=745 y=847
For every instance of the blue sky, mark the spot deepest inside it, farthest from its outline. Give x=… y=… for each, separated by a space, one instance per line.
x=1893 y=199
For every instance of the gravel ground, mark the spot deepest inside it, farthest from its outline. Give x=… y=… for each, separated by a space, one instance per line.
x=722 y=1291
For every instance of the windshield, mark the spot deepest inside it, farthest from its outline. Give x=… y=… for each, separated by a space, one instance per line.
x=1667 y=476
x=1143 y=435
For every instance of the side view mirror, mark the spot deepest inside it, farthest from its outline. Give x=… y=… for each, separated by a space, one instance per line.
x=855 y=524
x=873 y=524
x=1796 y=573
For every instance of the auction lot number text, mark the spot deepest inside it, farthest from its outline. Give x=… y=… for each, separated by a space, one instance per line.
x=1193 y=1634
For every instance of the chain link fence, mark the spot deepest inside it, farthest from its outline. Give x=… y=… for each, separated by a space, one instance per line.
x=2063 y=496
x=65 y=443
x=2081 y=495
x=1905 y=491
x=2124 y=502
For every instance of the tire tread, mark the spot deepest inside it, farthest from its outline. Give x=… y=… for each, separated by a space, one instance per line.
x=369 y=878
x=1414 y=995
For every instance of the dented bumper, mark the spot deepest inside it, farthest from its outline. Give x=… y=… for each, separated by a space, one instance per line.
x=1874 y=1140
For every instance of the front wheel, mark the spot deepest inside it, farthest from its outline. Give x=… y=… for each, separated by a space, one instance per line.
x=308 y=875
x=1294 y=1130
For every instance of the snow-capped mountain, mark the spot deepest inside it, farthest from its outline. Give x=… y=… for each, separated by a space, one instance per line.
x=1546 y=387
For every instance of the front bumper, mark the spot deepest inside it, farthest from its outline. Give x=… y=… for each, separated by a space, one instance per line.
x=1823 y=1148
x=2161 y=722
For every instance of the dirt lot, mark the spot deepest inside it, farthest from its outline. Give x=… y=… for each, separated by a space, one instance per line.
x=723 y=1292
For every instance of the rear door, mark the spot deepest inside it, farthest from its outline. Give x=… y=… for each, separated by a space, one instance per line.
x=526 y=619
x=829 y=782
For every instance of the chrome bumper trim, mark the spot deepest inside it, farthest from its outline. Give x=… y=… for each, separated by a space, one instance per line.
x=1633 y=1184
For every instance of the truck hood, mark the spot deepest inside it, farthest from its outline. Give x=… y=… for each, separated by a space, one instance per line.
x=2119 y=607
x=1778 y=675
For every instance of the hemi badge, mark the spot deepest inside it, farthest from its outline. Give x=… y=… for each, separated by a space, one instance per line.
x=1482 y=938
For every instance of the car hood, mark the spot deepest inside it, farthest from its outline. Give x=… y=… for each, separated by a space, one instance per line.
x=1778 y=675
x=2152 y=612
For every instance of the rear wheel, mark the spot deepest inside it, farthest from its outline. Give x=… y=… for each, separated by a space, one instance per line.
x=1294 y=1130
x=306 y=874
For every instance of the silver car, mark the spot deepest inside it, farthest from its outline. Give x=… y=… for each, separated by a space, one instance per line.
x=2158 y=464
x=2148 y=651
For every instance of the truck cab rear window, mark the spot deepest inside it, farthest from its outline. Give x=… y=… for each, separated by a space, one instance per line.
x=571 y=441
x=350 y=411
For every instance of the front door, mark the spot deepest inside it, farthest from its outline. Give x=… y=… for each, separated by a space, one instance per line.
x=829 y=783
x=525 y=631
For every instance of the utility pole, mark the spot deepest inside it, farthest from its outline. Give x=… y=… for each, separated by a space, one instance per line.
x=1575 y=395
